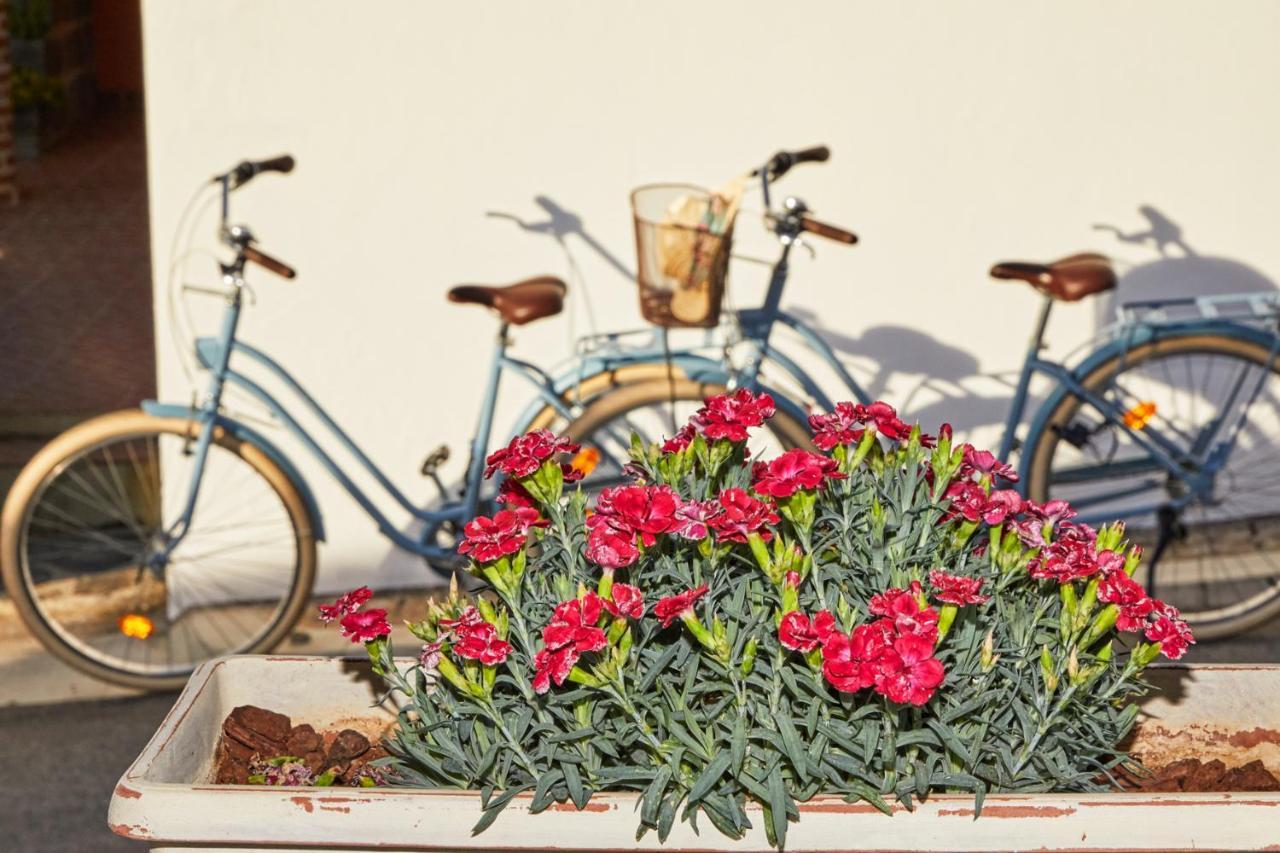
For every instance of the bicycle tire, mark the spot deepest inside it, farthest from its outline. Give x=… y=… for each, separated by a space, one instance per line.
x=1042 y=449
x=623 y=399
x=75 y=444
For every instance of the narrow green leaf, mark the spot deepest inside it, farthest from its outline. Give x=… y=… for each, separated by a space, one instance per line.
x=709 y=777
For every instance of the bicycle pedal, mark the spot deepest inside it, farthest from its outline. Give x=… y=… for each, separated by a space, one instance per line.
x=434 y=460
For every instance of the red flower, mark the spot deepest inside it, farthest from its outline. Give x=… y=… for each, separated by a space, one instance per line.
x=481 y=642
x=795 y=470
x=364 y=626
x=691 y=519
x=730 y=415
x=886 y=421
x=466 y=620
x=957 y=590
x=1070 y=557
x=346 y=604
x=644 y=510
x=909 y=673
x=1165 y=626
x=902 y=608
x=842 y=426
x=680 y=440
x=798 y=633
x=512 y=494
x=571 y=632
x=969 y=500
x=1001 y=504
x=985 y=462
x=552 y=665
x=574 y=624
x=740 y=514
x=489 y=539
x=626 y=601
x=429 y=657
x=1051 y=511
x=611 y=548
x=526 y=453
x=850 y=662
x=1116 y=587
x=675 y=607
x=474 y=638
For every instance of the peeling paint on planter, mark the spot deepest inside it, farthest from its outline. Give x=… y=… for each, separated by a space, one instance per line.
x=167 y=800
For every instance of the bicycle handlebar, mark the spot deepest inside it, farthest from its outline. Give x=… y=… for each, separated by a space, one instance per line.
x=831 y=232
x=247 y=169
x=267 y=262
x=779 y=164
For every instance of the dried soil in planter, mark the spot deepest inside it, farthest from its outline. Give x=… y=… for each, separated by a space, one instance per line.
x=1194 y=775
x=251 y=735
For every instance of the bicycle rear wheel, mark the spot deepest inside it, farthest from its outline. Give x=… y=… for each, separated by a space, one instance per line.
x=1221 y=561
x=86 y=518
x=656 y=409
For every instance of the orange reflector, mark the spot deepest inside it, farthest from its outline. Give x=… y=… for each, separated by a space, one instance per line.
x=136 y=626
x=585 y=460
x=1140 y=415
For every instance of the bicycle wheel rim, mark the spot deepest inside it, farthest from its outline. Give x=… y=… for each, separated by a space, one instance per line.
x=99 y=635
x=1222 y=576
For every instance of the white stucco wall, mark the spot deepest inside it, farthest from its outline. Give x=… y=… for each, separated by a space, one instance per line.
x=961 y=134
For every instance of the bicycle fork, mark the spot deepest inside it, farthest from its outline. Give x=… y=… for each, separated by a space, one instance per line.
x=208 y=418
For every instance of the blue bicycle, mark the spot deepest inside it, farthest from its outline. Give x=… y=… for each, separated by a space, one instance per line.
x=1171 y=423
x=141 y=543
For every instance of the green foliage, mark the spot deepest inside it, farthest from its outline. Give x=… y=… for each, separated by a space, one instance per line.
x=29 y=19
x=1036 y=695
x=34 y=89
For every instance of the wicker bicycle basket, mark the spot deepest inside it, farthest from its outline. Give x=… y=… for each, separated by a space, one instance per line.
x=683 y=238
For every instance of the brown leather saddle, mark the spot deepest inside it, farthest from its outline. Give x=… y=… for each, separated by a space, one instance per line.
x=519 y=303
x=1069 y=279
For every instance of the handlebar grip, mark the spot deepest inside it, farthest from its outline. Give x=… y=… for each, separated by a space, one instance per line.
x=816 y=154
x=284 y=163
x=265 y=261
x=831 y=232
x=779 y=164
x=244 y=172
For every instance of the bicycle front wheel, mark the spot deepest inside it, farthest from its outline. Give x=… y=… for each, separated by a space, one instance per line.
x=83 y=545
x=1220 y=563
x=654 y=410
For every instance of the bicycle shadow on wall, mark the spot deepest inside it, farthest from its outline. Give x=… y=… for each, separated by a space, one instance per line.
x=560 y=225
x=1178 y=271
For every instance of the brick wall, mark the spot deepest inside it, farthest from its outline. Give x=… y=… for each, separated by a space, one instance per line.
x=8 y=182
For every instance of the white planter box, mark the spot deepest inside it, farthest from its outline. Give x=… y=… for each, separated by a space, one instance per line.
x=165 y=798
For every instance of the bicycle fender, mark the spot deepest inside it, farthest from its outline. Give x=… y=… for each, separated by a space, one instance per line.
x=693 y=367
x=696 y=368
x=1139 y=337
x=247 y=433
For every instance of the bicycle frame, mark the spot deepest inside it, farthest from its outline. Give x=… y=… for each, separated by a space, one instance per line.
x=215 y=353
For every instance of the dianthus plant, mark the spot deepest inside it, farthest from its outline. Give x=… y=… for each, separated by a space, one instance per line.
x=879 y=619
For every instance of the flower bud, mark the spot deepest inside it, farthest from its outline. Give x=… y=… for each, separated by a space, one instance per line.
x=749 y=656
x=1046 y=670
x=988 y=658
x=1132 y=559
